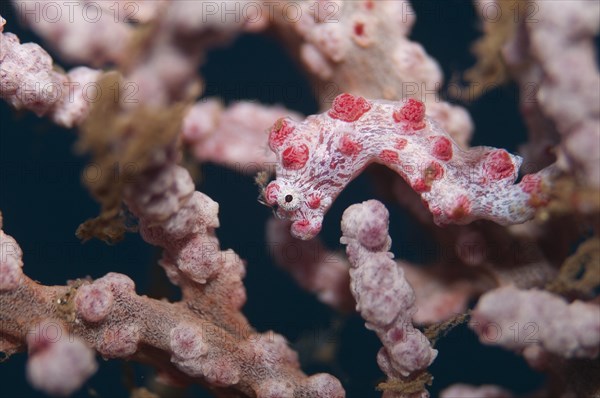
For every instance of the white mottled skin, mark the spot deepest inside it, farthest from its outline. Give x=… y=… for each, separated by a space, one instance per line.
x=328 y=171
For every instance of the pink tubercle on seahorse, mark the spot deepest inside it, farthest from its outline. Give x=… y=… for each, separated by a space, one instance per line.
x=318 y=157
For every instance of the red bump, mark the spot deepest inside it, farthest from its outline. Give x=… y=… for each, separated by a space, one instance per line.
x=434 y=171
x=271 y=193
x=279 y=132
x=442 y=148
x=295 y=157
x=461 y=208
x=499 y=165
x=314 y=201
x=400 y=143
x=348 y=108
x=425 y=203
x=412 y=112
x=359 y=29
x=369 y=4
x=389 y=156
x=421 y=186
x=303 y=229
x=302 y=223
x=531 y=184
x=349 y=147
x=408 y=168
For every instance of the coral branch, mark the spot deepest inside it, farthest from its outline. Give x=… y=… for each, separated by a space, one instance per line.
x=320 y=156
x=341 y=40
x=341 y=36
x=517 y=319
x=561 y=66
x=466 y=391
x=361 y=47
x=58 y=363
x=383 y=296
x=78 y=30
x=186 y=340
x=236 y=136
x=29 y=81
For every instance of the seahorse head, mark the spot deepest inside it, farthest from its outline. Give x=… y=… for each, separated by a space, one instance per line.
x=313 y=161
x=304 y=207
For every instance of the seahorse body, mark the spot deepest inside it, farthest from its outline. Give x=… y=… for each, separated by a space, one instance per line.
x=318 y=157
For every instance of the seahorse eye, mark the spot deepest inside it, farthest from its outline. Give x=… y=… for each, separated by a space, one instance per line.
x=290 y=199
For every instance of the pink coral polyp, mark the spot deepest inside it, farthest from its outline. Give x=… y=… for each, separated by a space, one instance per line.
x=349 y=108
x=93 y=302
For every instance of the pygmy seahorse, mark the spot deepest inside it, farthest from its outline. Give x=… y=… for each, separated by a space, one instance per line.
x=318 y=157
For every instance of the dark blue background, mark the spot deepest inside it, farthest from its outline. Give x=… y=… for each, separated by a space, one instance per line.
x=43 y=202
